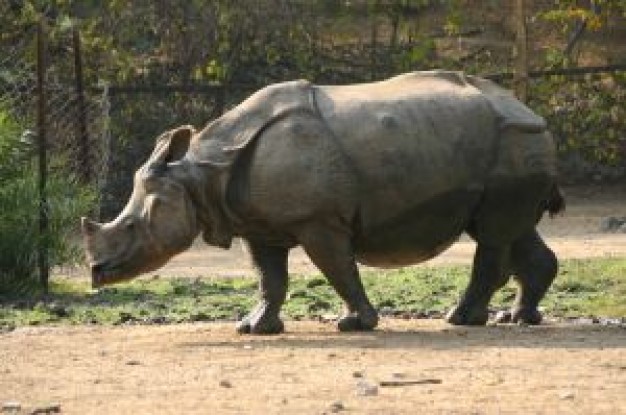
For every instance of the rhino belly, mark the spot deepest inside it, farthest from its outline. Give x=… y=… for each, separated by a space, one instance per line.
x=416 y=234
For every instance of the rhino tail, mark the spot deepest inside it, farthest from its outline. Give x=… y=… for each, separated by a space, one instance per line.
x=556 y=201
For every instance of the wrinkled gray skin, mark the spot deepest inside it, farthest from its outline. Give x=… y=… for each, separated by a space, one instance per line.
x=385 y=174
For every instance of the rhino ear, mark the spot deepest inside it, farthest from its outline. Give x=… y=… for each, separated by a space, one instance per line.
x=89 y=227
x=172 y=145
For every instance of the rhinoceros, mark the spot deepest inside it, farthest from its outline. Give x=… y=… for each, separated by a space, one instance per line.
x=387 y=174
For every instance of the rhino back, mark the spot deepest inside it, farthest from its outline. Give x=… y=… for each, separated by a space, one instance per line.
x=411 y=139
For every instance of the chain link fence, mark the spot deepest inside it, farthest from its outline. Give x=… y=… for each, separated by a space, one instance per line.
x=76 y=128
x=136 y=118
x=54 y=151
x=96 y=136
x=583 y=106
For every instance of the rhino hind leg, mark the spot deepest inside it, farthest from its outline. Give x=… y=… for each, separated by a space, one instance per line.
x=535 y=267
x=488 y=275
x=331 y=251
x=503 y=226
x=271 y=265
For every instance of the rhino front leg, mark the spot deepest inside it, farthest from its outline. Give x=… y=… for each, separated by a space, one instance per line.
x=331 y=251
x=488 y=275
x=271 y=265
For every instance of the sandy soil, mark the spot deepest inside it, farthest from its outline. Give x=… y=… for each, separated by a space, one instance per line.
x=207 y=369
x=313 y=369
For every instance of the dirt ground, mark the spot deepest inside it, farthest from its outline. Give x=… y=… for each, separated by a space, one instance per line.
x=207 y=369
x=405 y=367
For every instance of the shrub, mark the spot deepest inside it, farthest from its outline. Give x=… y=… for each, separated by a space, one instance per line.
x=586 y=115
x=19 y=212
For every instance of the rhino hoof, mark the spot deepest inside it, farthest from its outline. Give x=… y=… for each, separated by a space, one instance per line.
x=462 y=316
x=245 y=327
x=261 y=327
x=528 y=316
x=263 y=319
x=354 y=322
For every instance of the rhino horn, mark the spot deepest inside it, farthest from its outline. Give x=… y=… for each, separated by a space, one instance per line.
x=88 y=226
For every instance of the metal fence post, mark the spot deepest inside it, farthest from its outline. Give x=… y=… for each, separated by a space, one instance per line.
x=42 y=252
x=83 y=138
x=521 y=51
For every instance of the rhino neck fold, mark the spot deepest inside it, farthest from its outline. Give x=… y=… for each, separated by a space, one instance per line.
x=205 y=187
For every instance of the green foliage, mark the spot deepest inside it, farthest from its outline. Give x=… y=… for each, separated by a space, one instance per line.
x=567 y=12
x=589 y=288
x=586 y=115
x=594 y=287
x=19 y=212
x=415 y=56
x=455 y=18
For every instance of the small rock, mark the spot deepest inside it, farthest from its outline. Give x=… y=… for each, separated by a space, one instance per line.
x=364 y=388
x=247 y=347
x=328 y=318
x=157 y=320
x=7 y=328
x=584 y=321
x=200 y=316
x=409 y=382
x=357 y=374
x=11 y=406
x=58 y=310
x=47 y=409
x=610 y=321
x=337 y=406
x=225 y=384
x=133 y=363
x=125 y=317
x=433 y=314
x=503 y=316
x=566 y=395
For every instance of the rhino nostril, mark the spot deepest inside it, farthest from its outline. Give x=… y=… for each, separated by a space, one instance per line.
x=97 y=268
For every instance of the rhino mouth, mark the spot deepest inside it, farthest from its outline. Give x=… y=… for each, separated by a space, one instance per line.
x=109 y=272
x=104 y=273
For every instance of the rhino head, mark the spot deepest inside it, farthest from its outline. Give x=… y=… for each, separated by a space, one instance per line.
x=158 y=221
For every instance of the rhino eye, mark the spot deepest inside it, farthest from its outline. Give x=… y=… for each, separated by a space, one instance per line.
x=152 y=183
x=129 y=224
x=157 y=170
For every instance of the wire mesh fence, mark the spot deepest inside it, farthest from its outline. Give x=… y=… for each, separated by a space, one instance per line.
x=54 y=152
x=583 y=107
x=96 y=135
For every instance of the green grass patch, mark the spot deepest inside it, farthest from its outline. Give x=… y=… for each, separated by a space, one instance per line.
x=591 y=287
